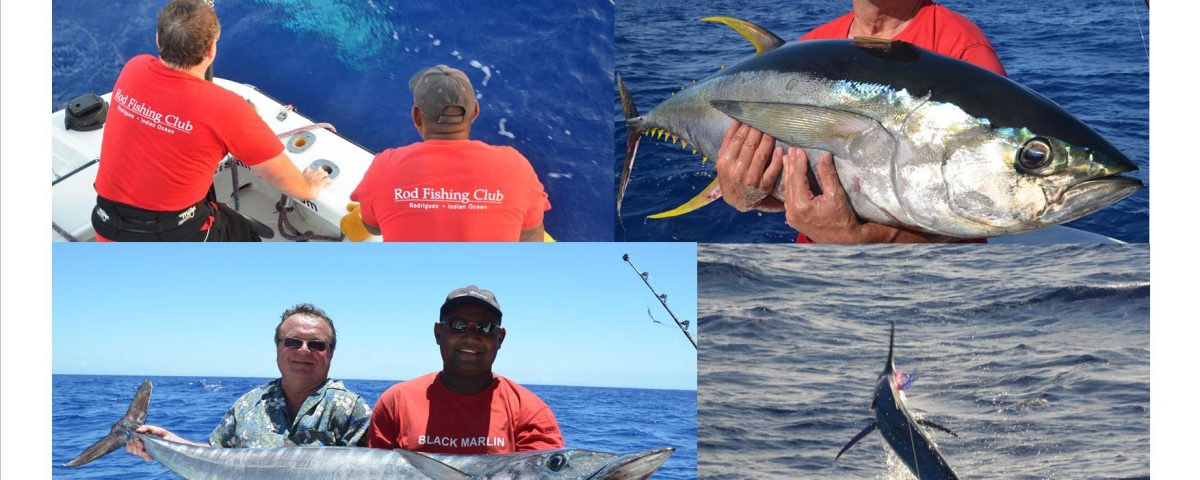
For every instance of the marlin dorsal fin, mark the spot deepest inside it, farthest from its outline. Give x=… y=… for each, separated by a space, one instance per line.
x=762 y=39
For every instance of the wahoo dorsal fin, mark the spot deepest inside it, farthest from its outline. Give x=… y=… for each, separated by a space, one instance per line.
x=762 y=39
x=870 y=428
x=705 y=197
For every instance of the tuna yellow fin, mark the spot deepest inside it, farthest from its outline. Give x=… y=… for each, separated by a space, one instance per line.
x=762 y=39
x=705 y=197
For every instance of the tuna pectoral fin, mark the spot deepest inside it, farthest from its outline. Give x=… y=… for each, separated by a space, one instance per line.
x=134 y=417
x=634 y=133
x=803 y=125
x=705 y=197
x=870 y=428
x=930 y=424
x=762 y=39
x=430 y=467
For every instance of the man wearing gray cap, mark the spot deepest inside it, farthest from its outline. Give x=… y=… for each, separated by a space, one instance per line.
x=447 y=187
x=465 y=408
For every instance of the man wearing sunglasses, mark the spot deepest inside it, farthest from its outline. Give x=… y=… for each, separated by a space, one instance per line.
x=301 y=407
x=465 y=408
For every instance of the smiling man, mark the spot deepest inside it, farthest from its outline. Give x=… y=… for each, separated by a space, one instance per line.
x=465 y=408
x=301 y=407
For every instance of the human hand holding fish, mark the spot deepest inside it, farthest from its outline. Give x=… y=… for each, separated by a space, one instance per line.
x=748 y=168
x=135 y=447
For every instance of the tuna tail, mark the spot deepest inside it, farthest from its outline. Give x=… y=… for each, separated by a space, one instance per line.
x=705 y=197
x=634 y=129
x=121 y=431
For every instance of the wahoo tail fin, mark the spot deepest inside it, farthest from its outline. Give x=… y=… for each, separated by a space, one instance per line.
x=633 y=128
x=121 y=431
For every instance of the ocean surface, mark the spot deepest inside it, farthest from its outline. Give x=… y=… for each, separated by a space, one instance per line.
x=543 y=70
x=1038 y=357
x=1089 y=56
x=605 y=419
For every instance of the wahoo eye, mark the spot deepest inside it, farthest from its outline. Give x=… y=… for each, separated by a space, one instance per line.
x=1035 y=154
x=556 y=462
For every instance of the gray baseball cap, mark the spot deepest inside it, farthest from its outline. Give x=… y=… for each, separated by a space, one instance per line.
x=444 y=95
x=472 y=294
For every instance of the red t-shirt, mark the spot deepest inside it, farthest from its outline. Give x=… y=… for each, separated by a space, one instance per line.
x=451 y=190
x=422 y=415
x=166 y=132
x=935 y=28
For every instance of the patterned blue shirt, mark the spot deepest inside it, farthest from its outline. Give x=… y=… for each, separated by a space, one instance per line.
x=332 y=415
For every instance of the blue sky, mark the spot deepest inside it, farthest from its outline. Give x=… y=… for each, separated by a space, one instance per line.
x=576 y=314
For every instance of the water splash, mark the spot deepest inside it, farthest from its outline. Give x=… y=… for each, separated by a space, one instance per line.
x=358 y=35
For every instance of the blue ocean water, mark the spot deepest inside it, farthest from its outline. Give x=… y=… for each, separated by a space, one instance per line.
x=605 y=419
x=543 y=68
x=1089 y=56
x=1038 y=357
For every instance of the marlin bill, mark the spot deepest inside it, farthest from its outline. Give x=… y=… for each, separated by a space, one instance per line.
x=202 y=463
x=921 y=141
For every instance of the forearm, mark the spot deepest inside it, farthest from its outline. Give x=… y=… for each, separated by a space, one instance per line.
x=283 y=175
x=535 y=234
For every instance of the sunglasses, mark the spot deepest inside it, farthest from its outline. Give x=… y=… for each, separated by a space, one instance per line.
x=458 y=325
x=296 y=343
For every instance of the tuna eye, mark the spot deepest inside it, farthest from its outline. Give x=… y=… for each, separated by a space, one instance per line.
x=556 y=462
x=1035 y=154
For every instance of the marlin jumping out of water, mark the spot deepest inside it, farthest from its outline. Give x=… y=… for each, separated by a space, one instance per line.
x=194 y=462
x=899 y=427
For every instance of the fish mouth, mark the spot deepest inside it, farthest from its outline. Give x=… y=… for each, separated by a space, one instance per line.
x=634 y=465
x=1089 y=196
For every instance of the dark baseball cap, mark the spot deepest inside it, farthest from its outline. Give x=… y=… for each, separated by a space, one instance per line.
x=444 y=95
x=472 y=294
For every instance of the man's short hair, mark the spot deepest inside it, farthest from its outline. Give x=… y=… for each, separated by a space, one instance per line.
x=306 y=309
x=186 y=29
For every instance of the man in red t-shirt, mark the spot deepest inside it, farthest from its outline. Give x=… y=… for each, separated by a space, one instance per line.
x=749 y=164
x=168 y=130
x=465 y=408
x=448 y=187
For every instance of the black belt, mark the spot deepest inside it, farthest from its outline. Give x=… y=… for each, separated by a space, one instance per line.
x=120 y=222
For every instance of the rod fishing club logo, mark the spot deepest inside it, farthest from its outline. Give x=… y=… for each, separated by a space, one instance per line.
x=148 y=116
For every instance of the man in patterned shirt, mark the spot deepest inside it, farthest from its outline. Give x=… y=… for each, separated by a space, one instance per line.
x=302 y=407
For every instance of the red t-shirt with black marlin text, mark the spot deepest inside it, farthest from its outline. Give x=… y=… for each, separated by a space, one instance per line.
x=167 y=130
x=423 y=415
x=451 y=191
x=934 y=28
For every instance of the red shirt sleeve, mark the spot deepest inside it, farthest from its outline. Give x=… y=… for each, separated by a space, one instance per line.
x=539 y=432
x=362 y=193
x=385 y=424
x=245 y=134
x=983 y=56
x=539 y=201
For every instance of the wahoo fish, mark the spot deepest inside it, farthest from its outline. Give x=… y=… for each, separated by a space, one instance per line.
x=899 y=428
x=201 y=463
x=920 y=140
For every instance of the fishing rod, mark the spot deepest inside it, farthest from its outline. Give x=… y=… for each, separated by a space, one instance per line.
x=662 y=298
